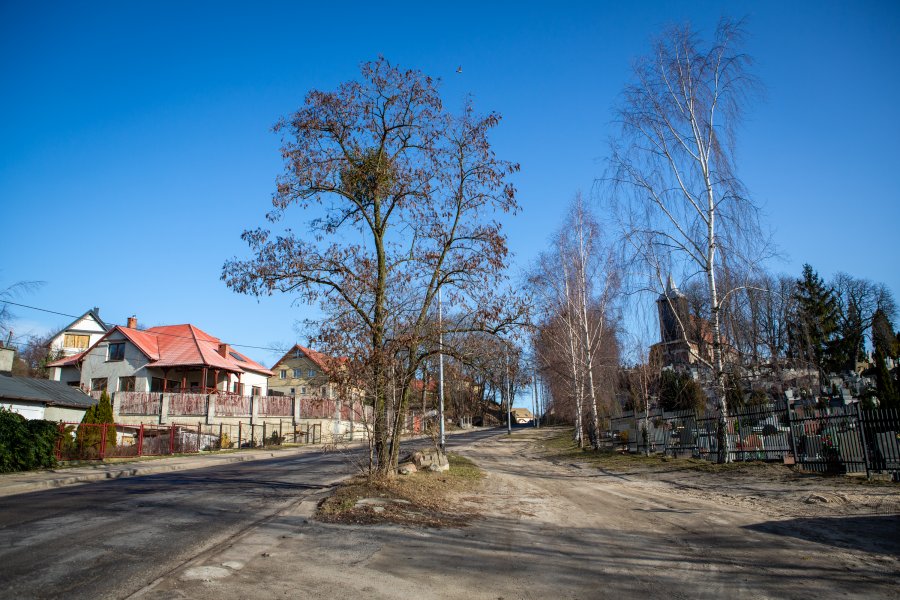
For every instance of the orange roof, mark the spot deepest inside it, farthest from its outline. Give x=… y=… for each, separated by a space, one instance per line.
x=179 y=346
x=323 y=361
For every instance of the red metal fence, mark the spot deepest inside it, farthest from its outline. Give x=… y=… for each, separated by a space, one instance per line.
x=93 y=441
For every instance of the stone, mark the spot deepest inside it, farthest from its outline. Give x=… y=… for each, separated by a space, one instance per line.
x=407 y=468
x=815 y=499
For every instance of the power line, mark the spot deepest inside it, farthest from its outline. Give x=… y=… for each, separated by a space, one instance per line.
x=184 y=337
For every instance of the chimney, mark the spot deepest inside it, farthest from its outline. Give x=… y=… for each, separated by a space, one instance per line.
x=97 y=310
x=224 y=349
x=7 y=358
x=132 y=322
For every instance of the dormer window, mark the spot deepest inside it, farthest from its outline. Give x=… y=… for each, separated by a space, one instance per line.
x=116 y=351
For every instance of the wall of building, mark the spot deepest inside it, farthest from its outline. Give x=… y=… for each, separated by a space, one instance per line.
x=61 y=413
x=29 y=410
x=96 y=365
x=313 y=385
x=84 y=326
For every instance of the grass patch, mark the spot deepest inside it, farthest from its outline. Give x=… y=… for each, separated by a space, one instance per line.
x=561 y=446
x=423 y=499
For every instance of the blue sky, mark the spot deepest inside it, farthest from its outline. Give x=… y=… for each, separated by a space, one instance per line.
x=136 y=144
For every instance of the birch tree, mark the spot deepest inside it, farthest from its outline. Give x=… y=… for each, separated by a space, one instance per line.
x=578 y=282
x=674 y=170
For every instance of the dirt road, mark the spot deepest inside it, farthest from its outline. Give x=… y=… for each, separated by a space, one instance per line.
x=558 y=530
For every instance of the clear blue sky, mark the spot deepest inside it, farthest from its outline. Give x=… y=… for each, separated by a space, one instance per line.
x=135 y=141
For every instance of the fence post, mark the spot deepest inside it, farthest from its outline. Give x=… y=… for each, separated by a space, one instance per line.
x=172 y=439
x=220 y=437
x=59 y=441
x=264 y=435
x=102 y=441
x=199 y=435
x=862 y=433
x=791 y=431
x=141 y=440
x=239 y=436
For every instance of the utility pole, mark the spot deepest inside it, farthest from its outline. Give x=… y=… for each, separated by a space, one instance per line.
x=441 y=365
x=508 y=398
x=534 y=402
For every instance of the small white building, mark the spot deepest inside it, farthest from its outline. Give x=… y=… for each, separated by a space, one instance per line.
x=79 y=335
x=43 y=399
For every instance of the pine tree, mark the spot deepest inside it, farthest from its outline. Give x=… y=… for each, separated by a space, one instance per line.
x=883 y=341
x=813 y=333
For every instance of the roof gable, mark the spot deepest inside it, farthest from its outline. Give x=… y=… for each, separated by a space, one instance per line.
x=323 y=361
x=94 y=314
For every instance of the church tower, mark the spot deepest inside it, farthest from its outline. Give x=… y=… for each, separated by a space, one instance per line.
x=672 y=306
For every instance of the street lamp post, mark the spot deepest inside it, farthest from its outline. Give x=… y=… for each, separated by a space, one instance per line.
x=441 y=367
x=508 y=398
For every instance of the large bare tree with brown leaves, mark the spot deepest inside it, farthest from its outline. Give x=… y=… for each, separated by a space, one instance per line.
x=398 y=197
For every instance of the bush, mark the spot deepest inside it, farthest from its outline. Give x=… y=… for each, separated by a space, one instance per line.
x=24 y=444
x=90 y=438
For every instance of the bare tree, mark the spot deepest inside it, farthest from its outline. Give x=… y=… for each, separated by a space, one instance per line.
x=398 y=196
x=578 y=282
x=673 y=165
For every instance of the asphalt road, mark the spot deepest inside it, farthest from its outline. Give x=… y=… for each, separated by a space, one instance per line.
x=111 y=538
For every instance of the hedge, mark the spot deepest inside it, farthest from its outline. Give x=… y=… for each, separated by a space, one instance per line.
x=26 y=445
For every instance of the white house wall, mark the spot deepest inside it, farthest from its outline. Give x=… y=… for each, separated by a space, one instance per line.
x=66 y=415
x=29 y=410
x=85 y=326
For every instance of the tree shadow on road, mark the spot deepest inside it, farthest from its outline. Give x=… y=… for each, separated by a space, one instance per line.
x=869 y=533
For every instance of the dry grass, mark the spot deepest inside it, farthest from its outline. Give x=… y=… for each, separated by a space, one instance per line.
x=423 y=499
x=560 y=446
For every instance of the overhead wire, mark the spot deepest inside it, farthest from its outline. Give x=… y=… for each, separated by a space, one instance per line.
x=184 y=337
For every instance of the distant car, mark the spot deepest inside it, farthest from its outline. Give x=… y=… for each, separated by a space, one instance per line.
x=523 y=420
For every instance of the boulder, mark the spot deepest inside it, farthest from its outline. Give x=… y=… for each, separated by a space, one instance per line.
x=407 y=468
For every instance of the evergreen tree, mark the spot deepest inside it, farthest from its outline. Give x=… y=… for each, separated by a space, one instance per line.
x=90 y=438
x=679 y=391
x=813 y=332
x=884 y=344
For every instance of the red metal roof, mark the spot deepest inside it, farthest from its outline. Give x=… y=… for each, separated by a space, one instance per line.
x=169 y=346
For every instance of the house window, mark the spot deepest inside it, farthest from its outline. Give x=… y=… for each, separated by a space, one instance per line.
x=156 y=384
x=312 y=373
x=303 y=390
x=116 y=351
x=126 y=384
x=283 y=373
x=298 y=353
x=298 y=373
x=98 y=384
x=73 y=340
x=237 y=388
x=292 y=391
x=256 y=390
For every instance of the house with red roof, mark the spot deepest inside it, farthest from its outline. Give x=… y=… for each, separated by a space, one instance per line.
x=169 y=358
x=304 y=372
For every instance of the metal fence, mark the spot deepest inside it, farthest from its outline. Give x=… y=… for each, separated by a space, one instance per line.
x=837 y=440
